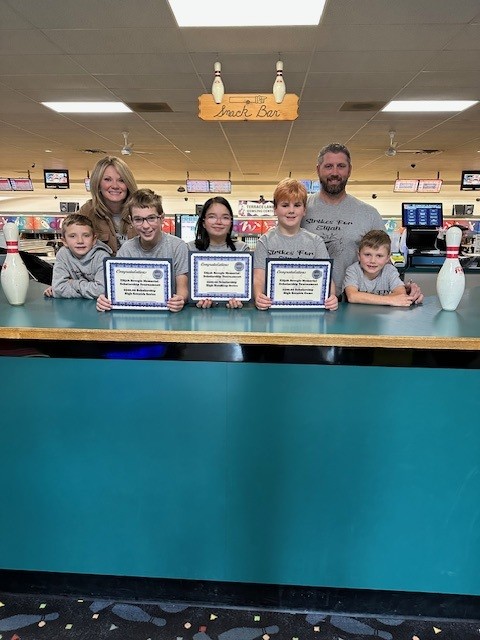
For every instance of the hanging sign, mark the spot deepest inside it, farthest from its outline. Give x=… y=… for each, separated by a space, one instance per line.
x=258 y=107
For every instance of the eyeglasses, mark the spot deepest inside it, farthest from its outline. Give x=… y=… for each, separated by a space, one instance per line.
x=138 y=221
x=226 y=219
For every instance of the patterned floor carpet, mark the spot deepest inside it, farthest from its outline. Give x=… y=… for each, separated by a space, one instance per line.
x=34 y=617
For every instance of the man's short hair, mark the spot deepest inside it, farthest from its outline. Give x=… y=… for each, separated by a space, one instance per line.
x=375 y=239
x=333 y=147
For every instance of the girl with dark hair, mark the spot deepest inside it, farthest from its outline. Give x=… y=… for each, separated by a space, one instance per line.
x=214 y=233
x=214 y=228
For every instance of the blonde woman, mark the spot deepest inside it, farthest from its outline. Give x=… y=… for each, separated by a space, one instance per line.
x=111 y=184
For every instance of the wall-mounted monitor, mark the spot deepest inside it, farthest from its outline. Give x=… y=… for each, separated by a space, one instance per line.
x=198 y=186
x=21 y=184
x=312 y=186
x=220 y=186
x=420 y=214
x=405 y=186
x=185 y=224
x=56 y=179
x=5 y=185
x=209 y=186
x=429 y=186
x=470 y=180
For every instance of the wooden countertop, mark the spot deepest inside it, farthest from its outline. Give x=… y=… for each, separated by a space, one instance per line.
x=424 y=326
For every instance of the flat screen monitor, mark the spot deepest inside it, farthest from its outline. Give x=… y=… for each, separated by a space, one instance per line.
x=429 y=186
x=220 y=186
x=419 y=214
x=405 y=186
x=21 y=184
x=421 y=239
x=470 y=180
x=312 y=186
x=5 y=185
x=198 y=186
x=185 y=224
x=56 y=179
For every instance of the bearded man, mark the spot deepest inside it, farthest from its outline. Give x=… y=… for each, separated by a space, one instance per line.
x=341 y=219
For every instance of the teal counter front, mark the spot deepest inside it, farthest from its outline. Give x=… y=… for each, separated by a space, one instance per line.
x=249 y=466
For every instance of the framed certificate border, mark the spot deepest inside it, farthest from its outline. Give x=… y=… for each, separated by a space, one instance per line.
x=316 y=270
x=133 y=292
x=231 y=260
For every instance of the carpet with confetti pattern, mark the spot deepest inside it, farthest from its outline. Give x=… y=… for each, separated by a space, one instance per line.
x=34 y=617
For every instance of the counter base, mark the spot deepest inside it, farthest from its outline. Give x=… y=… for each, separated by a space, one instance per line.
x=234 y=594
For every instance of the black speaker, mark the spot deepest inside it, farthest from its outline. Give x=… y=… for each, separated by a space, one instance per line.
x=69 y=207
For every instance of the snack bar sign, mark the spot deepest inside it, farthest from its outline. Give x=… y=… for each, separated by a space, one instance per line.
x=253 y=107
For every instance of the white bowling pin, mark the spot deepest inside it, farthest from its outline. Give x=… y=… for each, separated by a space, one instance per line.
x=451 y=278
x=217 y=87
x=14 y=276
x=279 y=88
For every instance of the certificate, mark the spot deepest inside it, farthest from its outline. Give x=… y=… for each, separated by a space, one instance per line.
x=220 y=276
x=300 y=284
x=138 y=283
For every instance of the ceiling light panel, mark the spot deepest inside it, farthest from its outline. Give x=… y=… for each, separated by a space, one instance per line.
x=428 y=105
x=88 y=107
x=248 y=13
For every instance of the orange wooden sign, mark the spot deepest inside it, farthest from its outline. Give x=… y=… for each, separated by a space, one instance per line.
x=258 y=107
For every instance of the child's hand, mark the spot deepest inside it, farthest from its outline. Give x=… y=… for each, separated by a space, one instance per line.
x=48 y=292
x=175 y=303
x=234 y=304
x=331 y=303
x=103 y=303
x=414 y=291
x=263 y=302
x=204 y=304
x=402 y=300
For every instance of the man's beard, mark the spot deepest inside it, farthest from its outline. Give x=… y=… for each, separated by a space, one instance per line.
x=333 y=189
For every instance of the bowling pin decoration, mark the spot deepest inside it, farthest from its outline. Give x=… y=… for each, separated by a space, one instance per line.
x=279 y=88
x=451 y=279
x=217 y=87
x=14 y=277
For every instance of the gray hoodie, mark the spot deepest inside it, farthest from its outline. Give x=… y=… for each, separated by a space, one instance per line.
x=80 y=277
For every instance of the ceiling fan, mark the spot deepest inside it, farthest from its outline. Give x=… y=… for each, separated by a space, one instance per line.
x=128 y=149
x=392 y=149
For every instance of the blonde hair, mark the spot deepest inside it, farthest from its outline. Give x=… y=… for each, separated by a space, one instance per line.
x=289 y=189
x=99 y=205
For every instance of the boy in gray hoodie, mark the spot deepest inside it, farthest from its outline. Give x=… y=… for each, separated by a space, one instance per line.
x=78 y=268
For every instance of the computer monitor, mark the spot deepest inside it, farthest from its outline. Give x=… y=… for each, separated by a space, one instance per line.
x=185 y=225
x=421 y=239
x=421 y=214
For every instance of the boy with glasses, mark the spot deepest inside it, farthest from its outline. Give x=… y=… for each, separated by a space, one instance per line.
x=145 y=211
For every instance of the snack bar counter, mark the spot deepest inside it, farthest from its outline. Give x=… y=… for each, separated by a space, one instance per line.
x=312 y=448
